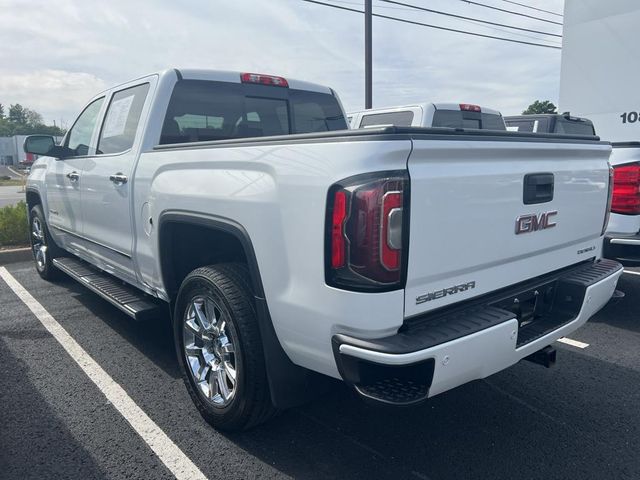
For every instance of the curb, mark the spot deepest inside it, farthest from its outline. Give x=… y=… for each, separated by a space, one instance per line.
x=15 y=255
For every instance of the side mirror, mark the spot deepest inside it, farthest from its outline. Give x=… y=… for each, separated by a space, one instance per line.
x=46 y=145
x=39 y=144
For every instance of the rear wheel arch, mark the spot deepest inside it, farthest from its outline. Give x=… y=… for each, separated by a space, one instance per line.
x=290 y=385
x=231 y=243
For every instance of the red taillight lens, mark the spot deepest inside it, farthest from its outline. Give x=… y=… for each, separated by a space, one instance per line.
x=365 y=232
x=467 y=107
x=338 y=242
x=607 y=212
x=263 y=79
x=626 y=189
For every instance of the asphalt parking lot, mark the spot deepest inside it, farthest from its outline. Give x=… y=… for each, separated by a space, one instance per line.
x=580 y=419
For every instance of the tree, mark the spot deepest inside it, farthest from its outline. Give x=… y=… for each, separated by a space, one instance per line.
x=544 y=106
x=17 y=114
x=24 y=121
x=32 y=118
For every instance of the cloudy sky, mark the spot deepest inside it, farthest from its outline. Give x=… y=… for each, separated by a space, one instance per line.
x=55 y=55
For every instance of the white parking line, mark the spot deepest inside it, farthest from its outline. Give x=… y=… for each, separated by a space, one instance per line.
x=167 y=451
x=573 y=343
x=632 y=272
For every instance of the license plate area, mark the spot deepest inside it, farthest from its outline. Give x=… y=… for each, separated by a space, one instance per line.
x=543 y=308
x=530 y=305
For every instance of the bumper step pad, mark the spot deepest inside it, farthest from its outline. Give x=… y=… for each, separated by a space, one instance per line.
x=128 y=299
x=396 y=391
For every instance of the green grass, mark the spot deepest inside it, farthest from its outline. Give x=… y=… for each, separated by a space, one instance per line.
x=11 y=183
x=14 y=227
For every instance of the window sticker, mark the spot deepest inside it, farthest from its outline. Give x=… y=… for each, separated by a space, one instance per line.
x=116 y=120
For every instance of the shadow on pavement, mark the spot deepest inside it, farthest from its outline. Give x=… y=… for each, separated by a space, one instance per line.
x=623 y=313
x=526 y=422
x=33 y=441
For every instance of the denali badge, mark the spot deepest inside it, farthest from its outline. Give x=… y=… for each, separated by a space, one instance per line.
x=427 y=297
x=533 y=223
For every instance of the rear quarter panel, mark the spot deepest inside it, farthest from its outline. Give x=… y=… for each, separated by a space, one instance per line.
x=278 y=194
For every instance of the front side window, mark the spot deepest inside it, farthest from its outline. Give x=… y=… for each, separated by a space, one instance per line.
x=121 y=122
x=79 y=138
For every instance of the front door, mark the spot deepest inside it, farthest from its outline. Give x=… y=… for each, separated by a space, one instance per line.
x=64 y=180
x=107 y=184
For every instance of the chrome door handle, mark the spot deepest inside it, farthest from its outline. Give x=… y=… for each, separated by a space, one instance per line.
x=73 y=176
x=118 y=178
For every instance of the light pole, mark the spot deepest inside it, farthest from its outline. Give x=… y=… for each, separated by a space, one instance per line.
x=368 y=86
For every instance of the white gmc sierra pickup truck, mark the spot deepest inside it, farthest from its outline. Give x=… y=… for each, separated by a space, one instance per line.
x=404 y=261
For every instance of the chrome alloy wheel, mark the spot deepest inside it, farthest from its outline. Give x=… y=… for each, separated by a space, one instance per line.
x=209 y=351
x=38 y=243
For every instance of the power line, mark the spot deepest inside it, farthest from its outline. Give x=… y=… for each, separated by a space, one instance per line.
x=470 y=18
x=510 y=11
x=317 y=2
x=473 y=22
x=534 y=8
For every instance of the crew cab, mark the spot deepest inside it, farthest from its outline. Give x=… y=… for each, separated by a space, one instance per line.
x=550 y=123
x=449 y=115
x=289 y=249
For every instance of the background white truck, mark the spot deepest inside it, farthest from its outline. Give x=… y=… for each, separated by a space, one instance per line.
x=404 y=261
x=449 y=115
x=599 y=80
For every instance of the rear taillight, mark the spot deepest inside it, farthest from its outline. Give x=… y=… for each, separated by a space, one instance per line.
x=607 y=212
x=467 y=107
x=366 y=232
x=626 y=189
x=263 y=79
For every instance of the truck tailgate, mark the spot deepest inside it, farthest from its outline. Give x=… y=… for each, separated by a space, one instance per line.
x=468 y=203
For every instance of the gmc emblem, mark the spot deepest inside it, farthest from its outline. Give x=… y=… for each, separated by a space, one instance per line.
x=533 y=223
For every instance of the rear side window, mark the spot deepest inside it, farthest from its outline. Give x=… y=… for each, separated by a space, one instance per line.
x=399 y=119
x=121 y=122
x=206 y=110
x=460 y=119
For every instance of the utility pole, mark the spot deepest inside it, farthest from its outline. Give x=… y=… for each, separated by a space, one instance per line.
x=368 y=86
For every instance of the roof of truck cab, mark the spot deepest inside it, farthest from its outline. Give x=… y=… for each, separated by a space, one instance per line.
x=223 y=76
x=535 y=116
x=424 y=106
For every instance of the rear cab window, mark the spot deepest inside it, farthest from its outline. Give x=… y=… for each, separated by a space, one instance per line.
x=399 y=119
x=574 y=127
x=522 y=125
x=204 y=110
x=465 y=119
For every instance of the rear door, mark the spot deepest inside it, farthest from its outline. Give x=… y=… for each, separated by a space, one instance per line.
x=107 y=182
x=473 y=229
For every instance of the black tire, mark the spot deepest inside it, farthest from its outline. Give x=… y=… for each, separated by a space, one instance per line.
x=227 y=287
x=39 y=237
